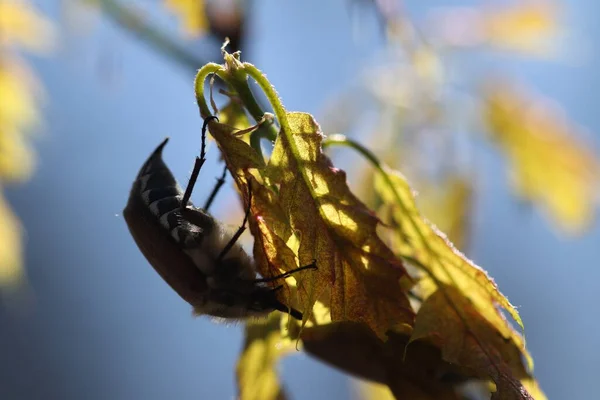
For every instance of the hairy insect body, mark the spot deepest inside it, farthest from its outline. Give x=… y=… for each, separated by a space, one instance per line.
x=185 y=246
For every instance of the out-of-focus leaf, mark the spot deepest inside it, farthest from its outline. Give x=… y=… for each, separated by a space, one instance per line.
x=467 y=339
x=11 y=261
x=550 y=165
x=192 y=14
x=256 y=369
x=17 y=114
x=443 y=265
x=23 y=26
x=524 y=26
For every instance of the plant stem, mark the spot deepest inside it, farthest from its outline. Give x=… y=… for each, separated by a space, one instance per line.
x=129 y=20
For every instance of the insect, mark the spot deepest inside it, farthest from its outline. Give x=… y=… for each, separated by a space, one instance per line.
x=191 y=251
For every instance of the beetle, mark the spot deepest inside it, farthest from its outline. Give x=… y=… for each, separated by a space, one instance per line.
x=191 y=250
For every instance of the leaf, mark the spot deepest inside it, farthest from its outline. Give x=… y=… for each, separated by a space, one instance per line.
x=18 y=113
x=420 y=241
x=467 y=339
x=526 y=26
x=192 y=14
x=256 y=369
x=23 y=26
x=358 y=272
x=443 y=265
x=551 y=166
x=11 y=259
x=310 y=203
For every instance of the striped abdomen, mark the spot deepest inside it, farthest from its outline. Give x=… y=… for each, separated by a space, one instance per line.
x=154 y=219
x=161 y=194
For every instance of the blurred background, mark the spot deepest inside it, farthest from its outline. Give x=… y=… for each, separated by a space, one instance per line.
x=489 y=108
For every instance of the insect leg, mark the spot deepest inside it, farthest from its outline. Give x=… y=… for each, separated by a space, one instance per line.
x=240 y=230
x=218 y=186
x=198 y=165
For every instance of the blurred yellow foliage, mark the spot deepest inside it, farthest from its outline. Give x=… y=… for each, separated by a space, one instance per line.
x=524 y=26
x=192 y=14
x=550 y=165
x=17 y=114
x=11 y=271
x=21 y=27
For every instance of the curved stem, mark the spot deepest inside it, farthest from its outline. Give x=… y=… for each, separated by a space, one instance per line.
x=271 y=94
x=210 y=68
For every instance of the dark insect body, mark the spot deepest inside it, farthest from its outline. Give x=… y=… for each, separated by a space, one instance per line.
x=191 y=250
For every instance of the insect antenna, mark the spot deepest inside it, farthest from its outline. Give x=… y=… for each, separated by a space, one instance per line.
x=286 y=274
x=198 y=165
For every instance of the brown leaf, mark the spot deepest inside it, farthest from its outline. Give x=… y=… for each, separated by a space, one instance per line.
x=416 y=372
x=358 y=271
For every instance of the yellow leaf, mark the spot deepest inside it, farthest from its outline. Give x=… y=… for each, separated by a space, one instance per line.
x=256 y=369
x=192 y=14
x=551 y=166
x=525 y=26
x=11 y=272
x=17 y=114
x=358 y=276
x=449 y=319
x=23 y=26
x=429 y=249
x=357 y=270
